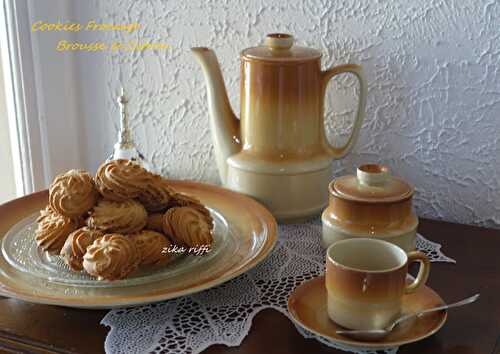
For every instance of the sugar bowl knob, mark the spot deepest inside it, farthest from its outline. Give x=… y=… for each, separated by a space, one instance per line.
x=279 y=41
x=372 y=174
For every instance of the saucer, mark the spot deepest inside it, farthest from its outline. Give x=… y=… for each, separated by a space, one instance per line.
x=307 y=307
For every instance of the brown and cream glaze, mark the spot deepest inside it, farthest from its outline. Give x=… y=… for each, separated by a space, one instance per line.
x=255 y=225
x=277 y=152
x=371 y=204
x=366 y=281
x=307 y=306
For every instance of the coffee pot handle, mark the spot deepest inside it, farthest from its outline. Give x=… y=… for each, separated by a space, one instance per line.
x=339 y=152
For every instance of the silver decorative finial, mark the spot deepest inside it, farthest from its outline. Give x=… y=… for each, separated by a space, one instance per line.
x=124 y=137
x=125 y=148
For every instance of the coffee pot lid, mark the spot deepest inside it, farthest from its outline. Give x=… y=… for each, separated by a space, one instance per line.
x=278 y=47
x=372 y=184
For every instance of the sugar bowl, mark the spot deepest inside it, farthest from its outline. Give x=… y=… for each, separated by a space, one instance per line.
x=371 y=204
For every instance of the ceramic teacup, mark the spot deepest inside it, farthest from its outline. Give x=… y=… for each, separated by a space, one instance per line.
x=366 y=281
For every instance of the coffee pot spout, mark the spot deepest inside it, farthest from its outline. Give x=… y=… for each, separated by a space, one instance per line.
x=223 y=123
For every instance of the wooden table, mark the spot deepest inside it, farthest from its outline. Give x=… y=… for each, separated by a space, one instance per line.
x=476 y=329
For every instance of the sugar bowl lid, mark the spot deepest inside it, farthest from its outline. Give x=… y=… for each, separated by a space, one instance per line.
x=372 y=184
x=278 y=47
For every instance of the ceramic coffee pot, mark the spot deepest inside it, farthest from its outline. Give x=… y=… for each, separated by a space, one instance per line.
x=277 y=152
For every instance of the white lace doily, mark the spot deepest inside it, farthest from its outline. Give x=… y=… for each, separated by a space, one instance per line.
x=223 y=315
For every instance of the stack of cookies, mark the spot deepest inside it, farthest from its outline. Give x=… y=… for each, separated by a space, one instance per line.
x=123 y=218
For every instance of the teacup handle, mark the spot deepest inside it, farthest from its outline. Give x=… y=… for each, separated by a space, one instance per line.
x=423 y=272
x=339 y=152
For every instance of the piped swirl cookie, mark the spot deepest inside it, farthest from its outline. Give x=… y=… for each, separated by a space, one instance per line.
x=184 y=200
x=53 y=230
x=76 y=245
x=155 y=222
x=111 y=257
x=152 y=247
x=73 y=193
x=157 y=194
x=120 y=180
x=120 y=217
x=187 y=226
x=45 y=214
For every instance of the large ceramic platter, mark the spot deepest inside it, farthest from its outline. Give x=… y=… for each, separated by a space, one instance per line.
x=245 y=232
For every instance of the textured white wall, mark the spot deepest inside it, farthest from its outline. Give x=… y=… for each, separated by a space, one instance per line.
x=7 y=179
x=433 y=110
